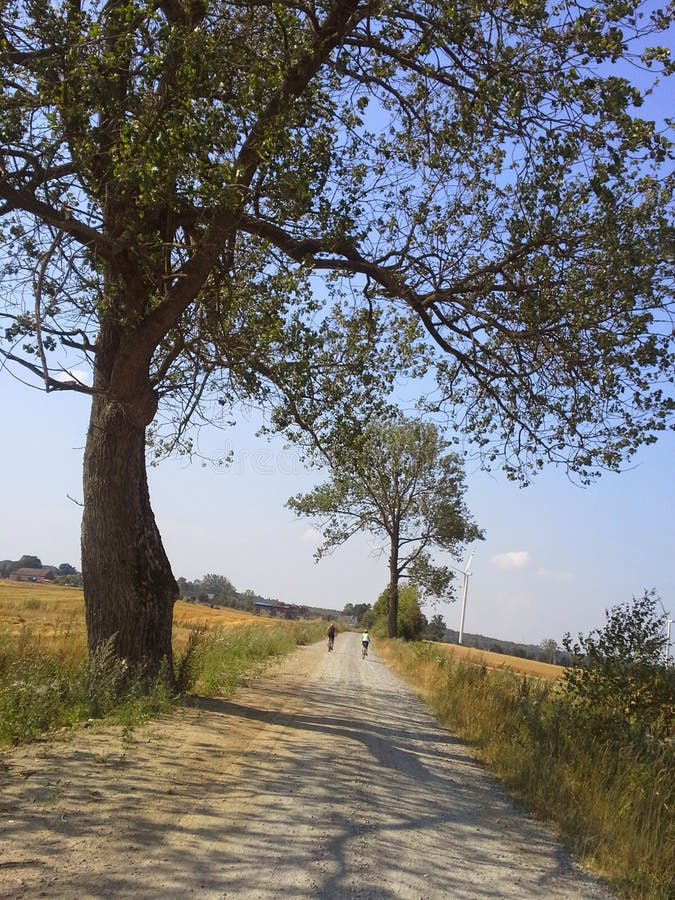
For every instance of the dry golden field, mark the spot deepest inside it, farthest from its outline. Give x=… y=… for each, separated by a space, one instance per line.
x=56 y=614
x=501 y=661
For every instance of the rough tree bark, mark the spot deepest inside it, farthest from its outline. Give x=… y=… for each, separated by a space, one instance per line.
x=129 y=587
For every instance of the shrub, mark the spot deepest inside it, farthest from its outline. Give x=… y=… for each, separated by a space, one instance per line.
x=617 y=683
x=410 y=621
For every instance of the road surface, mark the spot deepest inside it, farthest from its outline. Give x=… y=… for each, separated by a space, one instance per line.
x=326 y=779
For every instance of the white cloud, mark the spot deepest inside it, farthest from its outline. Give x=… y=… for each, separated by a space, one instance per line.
x=515 y=559
x=552 y=575
x=79 y=375
x=311 y=536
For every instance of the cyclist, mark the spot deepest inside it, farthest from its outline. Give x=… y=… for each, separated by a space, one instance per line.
x=365 y=640
x=331 y=635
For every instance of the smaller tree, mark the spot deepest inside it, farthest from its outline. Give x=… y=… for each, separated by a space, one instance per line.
x=435 y=630
x=617 y=677
x=410 y=621
x=26 y=562
x=187 y=590
x=393 y=478
x=356 y=610
x=219 y=588
x=67 y=569
x=75 y=580
x=549 y=649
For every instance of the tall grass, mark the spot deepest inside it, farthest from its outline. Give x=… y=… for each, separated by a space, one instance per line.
x=614 y=803
x=44 y=688
x=217 y=661
x=47 y=685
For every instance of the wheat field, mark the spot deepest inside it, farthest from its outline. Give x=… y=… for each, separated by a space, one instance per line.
x=502 y=661
x=55 y=614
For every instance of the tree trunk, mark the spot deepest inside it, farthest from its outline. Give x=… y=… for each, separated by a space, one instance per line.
x=392 y=620
x=129 y=588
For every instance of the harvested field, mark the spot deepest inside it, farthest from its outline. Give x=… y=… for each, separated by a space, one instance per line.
x=56 y=613
x=502 y=661
x=48 y=612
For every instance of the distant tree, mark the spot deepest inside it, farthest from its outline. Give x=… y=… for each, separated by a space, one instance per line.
x=495 y=648
x=67 y=569
x=435 y=630
x=74 y=580
x=187 y=589
x=368 y=620
x=217 y=588
x=356 y=610
x=393 y=479
x=6 y=567
x=27 y=562
x=244 y=602
x=549 y=649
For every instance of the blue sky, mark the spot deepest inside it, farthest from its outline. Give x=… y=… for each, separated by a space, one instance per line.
x=555 y=555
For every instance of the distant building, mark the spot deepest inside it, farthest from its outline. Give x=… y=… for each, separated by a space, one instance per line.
x=275 y=610
x=45 y=575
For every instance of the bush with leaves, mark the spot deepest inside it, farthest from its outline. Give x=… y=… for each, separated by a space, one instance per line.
x=435 y=629
x=410 y=621
x=618 y=680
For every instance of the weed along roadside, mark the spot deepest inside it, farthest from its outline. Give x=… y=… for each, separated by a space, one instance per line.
x=611 y=799
x=47 y=683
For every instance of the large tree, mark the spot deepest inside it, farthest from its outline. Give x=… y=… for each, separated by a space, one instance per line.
x=176 y=175
x=393 y=479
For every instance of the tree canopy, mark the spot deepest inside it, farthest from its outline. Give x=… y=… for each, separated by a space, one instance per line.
x=216 y=202
x=183 y=168
x=27 y=561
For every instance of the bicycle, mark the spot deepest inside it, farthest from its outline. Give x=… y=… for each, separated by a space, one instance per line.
x=331 y=644
x=364 y=650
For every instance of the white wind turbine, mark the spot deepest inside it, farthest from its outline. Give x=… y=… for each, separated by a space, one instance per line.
x=465 y=587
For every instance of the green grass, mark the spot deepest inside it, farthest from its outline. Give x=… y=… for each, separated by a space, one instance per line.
x=218 y=661
x=41 y=691
x=613 y=802
x=44 y=688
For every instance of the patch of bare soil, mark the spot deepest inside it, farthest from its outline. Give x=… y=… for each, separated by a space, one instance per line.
x=327 y=779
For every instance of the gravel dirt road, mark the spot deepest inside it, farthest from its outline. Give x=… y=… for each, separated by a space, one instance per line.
x=327 y=779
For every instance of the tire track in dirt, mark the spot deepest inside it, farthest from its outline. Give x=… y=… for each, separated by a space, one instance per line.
x=326 y=779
